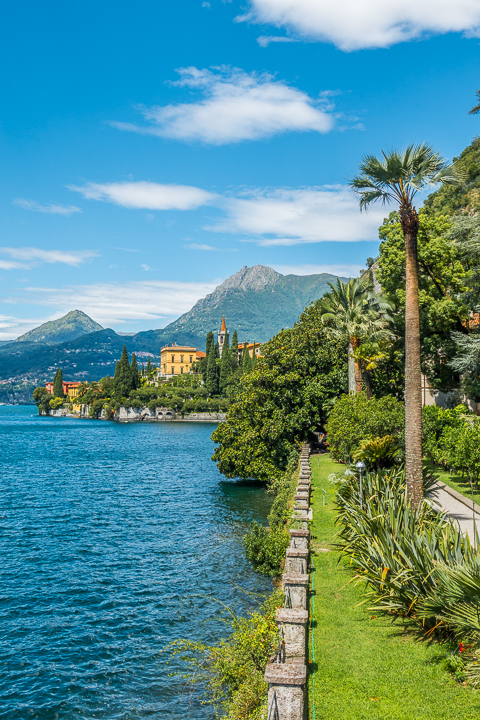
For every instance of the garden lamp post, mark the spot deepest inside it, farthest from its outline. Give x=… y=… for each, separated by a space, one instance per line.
x=361 y=469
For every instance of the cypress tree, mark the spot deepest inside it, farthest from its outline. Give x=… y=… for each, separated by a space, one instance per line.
x=212 y=374
x=247 y=360
x=123 y=376
x=225 y=367
x=203 y=362
x=254 y=355
x=210 y=341
x=135 y=373
x=217 y=350
x=58 y=383
x=234 y=350
x=149 y=367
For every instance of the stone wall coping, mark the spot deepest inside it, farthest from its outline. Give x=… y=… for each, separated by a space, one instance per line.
x=294 y=579
x=294 y=532
x=286 y=674
x=297 y=552
x=295 y=616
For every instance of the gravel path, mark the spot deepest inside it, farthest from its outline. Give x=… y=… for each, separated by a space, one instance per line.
x=458 y=511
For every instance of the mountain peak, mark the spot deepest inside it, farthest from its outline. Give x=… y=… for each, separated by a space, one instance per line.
x=254 y=278
x=69 y=327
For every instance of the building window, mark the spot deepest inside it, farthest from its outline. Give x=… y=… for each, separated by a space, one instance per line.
x=173 y=371
x=181 y=358
x=173 y=358
x=191 y=358
x=181 y=371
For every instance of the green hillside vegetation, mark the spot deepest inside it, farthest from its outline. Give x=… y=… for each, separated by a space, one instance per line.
x=69 y=327
x=450 y=199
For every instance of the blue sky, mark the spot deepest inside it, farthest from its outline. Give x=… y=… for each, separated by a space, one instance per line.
x=150 y=150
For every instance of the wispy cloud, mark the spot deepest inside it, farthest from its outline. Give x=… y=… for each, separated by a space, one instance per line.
x=52 y=209
x=236 y=106
x=209 y=248
x=353 y=25
x=147 y=195
x=30 y=257
x=281 y=216
x=265 y=40
x=341 y=269
x=294 y=216
x=113 y=303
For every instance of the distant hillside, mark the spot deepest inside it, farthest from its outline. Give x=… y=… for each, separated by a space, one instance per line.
x=69 y=327
x=257 y=301
x=454 y=199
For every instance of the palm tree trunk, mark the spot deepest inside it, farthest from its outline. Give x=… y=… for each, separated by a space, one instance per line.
x=413 y=385
x=355 y=342
x=368 y=382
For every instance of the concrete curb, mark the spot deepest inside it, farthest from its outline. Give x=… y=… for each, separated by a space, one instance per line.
x=458 y=496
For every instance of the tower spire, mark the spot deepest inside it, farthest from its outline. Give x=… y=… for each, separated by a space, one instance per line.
x=223 y=325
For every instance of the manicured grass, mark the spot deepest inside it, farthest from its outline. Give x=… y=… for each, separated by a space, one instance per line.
x=455 y=481
x=368 y=667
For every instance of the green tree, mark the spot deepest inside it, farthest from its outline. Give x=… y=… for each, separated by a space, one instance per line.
x=148 y=369
x=58 y=383
x=42 y=399
x=246 y=360
x=135 y=373
x=442 y=280
x=398 y=177
x=283 y=400
x=225 y=367
x=212 y=372
x=350 y=311
x=123 y=376
x=234 y=350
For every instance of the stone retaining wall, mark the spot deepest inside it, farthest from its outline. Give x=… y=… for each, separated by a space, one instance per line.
x=287 y=674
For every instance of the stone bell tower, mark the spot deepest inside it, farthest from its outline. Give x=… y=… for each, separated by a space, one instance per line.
x=222 y=336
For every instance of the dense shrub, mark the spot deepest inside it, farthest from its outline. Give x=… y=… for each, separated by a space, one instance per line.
x=434 y=421
x=232 y=672
x=355 y=418
x=378 y=453
x=265 y=547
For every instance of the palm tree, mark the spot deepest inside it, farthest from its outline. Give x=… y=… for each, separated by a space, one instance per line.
x=398 y=177
x=350 y=310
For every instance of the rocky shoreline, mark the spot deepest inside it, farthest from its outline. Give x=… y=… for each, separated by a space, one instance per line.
x=145 y=414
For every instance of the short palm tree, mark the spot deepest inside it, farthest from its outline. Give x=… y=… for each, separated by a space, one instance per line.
x=351 y=311
x=398 y=177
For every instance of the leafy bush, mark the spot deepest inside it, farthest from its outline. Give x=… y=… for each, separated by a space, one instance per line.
x=355 y=418
x=42 y=398
x=434 y=421
x=393 y=546
x=56 y=402
x=265 y=547
x=232 y=672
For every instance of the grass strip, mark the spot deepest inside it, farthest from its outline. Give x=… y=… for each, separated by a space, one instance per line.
x=366 y=666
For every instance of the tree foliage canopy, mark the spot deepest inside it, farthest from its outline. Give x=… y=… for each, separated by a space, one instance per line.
x=282 y=400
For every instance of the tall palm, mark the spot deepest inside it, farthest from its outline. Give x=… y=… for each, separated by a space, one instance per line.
x=398 y=177
x=350 y=310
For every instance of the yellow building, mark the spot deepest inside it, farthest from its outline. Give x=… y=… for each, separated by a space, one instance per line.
x=177 y=359
x=249 y=347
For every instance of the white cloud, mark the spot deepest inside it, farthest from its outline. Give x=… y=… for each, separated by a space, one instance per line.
x=53 y=209
x=12 y=327
x=236 y=106
x=294 y=216
x=147 y=195
x=341 y=269
x=357 y=24
x=209 y=248
x=115 y=303
x=30 y=257
x=265 y=40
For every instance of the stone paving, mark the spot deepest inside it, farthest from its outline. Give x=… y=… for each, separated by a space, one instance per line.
x=459 y=512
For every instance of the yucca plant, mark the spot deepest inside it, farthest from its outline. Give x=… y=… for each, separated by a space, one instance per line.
x=393 y=544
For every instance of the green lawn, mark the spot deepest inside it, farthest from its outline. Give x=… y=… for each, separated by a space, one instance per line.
x=455 y=481
x=366 y=666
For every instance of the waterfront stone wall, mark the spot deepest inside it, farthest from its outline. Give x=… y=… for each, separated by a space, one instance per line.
x=287 y=673
x=145 y=414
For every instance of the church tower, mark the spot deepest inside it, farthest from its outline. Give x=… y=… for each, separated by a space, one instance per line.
x=222 y=335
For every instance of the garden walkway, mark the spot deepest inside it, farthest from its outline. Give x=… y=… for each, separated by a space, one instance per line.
x=459 y=508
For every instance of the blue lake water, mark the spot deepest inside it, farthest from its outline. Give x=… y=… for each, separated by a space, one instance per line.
x=114 y=538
